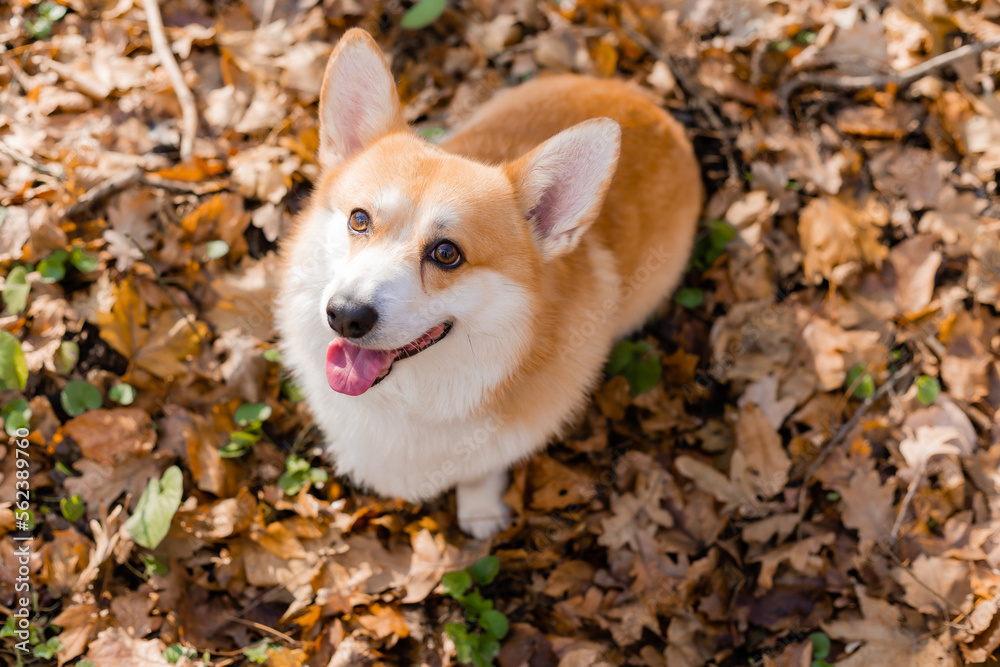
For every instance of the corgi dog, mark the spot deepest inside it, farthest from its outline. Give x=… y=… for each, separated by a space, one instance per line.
x=446 y=310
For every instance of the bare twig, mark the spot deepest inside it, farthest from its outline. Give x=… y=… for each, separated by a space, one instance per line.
x=6 y=150
x=898 y=79
x=161 y=47
x=136 y=175
x=108 y=188
x=696 y=93
x=905 y=507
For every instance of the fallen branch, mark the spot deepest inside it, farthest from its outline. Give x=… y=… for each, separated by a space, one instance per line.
x=136 y=176
x=898 y=79
x=695 y=92
x=103 y=190
x=161 y=47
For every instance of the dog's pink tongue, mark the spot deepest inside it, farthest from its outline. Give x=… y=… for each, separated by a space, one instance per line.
x=351 y=369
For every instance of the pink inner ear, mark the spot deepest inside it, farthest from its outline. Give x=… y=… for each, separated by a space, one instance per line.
x=359 y=99
x=571 y=171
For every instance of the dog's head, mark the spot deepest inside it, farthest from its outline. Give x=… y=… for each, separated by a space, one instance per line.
x=418 y=270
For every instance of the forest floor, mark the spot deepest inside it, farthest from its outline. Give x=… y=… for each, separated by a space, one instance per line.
x=813 y=479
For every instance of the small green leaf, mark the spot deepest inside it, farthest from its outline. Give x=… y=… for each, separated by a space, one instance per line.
x=174 y=653
x=474 y=602
x=48 y=649
x=928 y=389
x=216 y=249
x=258 y=652
x=485 y=570
x=645 y=375
x=51 y=10
x=489 y=648
x=456 y=583
x=456 y=631
x=821 y=645
x=53 y=267
x=15 y=289
x=83 y=260
x=833 y=496
x=250 y=413
x=39 y=28
x=153 y=565
x=638 y=362
x=806 y=37
x=67 y=357
x=494 y=622
x=291 y=483
x=122 y=393
x=422 y=14
x=240 y=442
x=72 y=508
x=79 y=396
x=156 y=508
x=863 y=383
x=273 y=355
x=16 y=415
x=783 y=45
x=432 y=133
x=13 y=367
x=85 y=663
x=689 y=297
x=291 y=391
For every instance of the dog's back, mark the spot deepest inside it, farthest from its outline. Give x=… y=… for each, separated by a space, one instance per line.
x=652 y=206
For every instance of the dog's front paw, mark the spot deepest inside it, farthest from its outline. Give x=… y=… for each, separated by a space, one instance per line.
x=481 y=510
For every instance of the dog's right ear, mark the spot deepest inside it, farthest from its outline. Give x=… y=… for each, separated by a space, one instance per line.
x=358 y=102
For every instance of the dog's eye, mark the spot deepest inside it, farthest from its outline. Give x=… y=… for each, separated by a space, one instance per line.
x=359 y=221
x=447 y=254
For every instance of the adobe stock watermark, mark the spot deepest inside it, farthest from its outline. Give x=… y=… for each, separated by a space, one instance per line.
x=21 y=612
x=596 y=318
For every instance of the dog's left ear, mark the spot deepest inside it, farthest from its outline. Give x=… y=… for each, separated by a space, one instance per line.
x=561 y=184
x=358 y=102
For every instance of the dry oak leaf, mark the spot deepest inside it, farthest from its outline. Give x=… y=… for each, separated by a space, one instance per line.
x=915 y=263
x=116 y=648
x=802 y=556
x=100 y=484
x=759 y=461
x=764 y=394
x=835 y=351
x=572 y=576
x=985 y=622
x=885 y=643
x=555 y=486
x=384 y=622
x=195 y=438
x=79 y=623
x=112 y=436
x=163 y=347
x=221 y=519
x=868 y=507
x=131 y=611
x=834 y=232
x=638 y=511
x=936 y=585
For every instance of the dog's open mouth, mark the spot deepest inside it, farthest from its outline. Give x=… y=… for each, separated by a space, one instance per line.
x=353 y=370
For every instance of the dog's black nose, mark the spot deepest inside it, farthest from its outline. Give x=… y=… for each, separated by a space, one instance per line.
x=349 y=318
